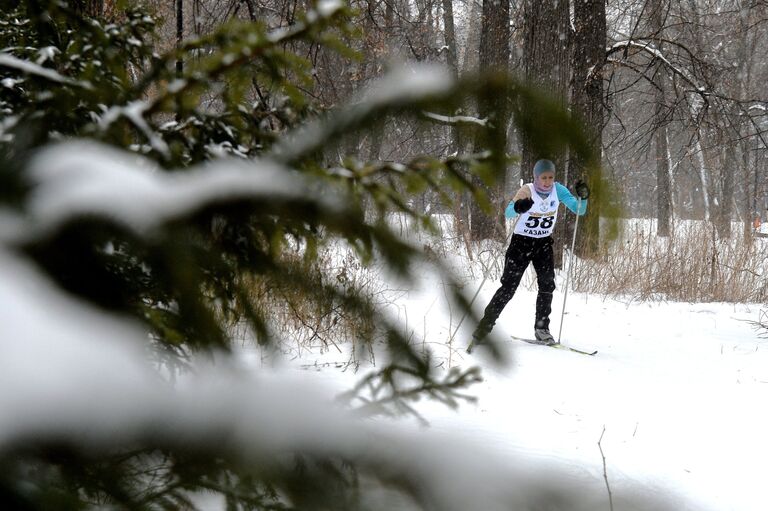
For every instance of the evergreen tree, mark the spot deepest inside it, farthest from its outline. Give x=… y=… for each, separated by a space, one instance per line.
x=215 y=201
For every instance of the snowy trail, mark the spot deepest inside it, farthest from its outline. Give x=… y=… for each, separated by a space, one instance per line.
x=679 y=388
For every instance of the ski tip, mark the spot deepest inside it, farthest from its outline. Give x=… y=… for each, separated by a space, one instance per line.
x=590 y=353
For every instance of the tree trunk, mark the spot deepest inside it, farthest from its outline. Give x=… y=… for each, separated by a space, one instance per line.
x=546 y=61
x=88 y=7
x=453 y=63
x=468 y=63
x=728 y=171
x=457 y=142
x=663 y=181
x=749 y=194
x=493 y=58
x=546 y=64
x=701 y=161
x=471 y=52
x=658 y=9
x=589 y=40
x=450 y=37
x=746 y=49
x=179 y=34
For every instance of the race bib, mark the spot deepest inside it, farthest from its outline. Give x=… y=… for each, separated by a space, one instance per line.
x=539 y=221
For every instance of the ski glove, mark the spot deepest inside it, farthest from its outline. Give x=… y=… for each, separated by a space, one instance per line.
x=582 y=190
x=523 y=205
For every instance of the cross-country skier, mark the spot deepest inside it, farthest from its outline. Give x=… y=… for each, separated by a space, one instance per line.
x=535 y=205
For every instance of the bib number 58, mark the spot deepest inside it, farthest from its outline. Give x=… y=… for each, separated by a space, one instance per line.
x=535 y=222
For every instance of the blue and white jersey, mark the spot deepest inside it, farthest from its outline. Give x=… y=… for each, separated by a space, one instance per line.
x=546 y=205
x=539 y=221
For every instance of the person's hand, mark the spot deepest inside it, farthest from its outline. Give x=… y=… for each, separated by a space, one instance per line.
x=523 y=205
x=582 y=190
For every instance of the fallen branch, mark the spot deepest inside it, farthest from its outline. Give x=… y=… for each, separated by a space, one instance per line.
x=605 y=470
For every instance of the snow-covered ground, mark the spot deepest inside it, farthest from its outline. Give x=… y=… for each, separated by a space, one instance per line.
x=679 y=388
x=676 y=396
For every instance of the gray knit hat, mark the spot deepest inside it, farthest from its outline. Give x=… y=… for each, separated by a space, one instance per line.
x=543 y=166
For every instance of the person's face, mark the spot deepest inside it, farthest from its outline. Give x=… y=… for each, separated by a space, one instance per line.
x=546 y=180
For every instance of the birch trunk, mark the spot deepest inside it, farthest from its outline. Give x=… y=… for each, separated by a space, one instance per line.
x=703 y=172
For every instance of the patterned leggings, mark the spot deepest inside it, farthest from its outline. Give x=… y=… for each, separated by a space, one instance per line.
x=523 y=250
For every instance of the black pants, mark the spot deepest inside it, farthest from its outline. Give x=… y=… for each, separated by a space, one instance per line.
x=523 y=250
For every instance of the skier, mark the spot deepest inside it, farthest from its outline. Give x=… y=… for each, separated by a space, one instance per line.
x=535 y=204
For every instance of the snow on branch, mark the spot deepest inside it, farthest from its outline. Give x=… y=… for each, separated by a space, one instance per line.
x=655 y=53
x=455 y=119
x=403 y=86
x=84 y=178
x=26 y=67
x=134 y=112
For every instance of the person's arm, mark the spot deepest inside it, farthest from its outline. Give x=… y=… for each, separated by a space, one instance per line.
x=523 y=193
x=571 y=202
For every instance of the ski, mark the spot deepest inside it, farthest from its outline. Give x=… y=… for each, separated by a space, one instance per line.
x=558 y=346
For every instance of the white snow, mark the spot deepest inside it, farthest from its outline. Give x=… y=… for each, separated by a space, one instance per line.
x=83 y=178
x=6 y=124
x=45 y=54
x=10 y=83
x=678 y=387
x=676 y=391
x=456 y=119
x=675 y=395
x=177 y=85
x=409 y=83
x=401 y=85
x=31 y=68
x=653 y=51
x=62 y=361
x=69 y=372
x=134 y=112
x=328 y=8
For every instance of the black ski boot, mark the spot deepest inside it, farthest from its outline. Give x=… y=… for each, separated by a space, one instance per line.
x=544 y=337
x=479 y=335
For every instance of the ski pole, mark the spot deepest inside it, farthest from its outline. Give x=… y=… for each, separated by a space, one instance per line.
x=472 y=301
x=568 y=274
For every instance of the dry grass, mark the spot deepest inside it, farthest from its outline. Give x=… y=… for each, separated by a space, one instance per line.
x=692 y=265
x=300 y=323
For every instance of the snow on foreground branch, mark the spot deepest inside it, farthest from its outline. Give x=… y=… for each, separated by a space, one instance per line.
x=31 y=68
x=401 y=86
x=73 y=375
x=84 y=178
